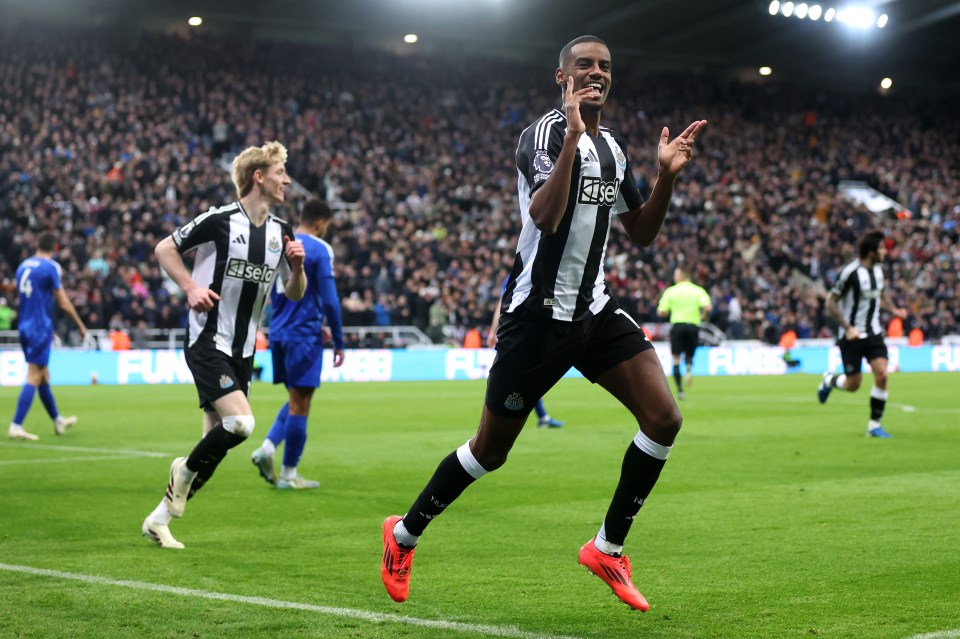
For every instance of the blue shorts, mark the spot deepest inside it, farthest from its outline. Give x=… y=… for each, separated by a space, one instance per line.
x=36 y=349
x=297 y=363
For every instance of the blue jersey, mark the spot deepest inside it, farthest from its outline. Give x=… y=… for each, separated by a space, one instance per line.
x=37 y=279
x=303 y=319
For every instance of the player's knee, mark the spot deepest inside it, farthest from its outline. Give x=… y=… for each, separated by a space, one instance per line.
x=853 y=383
x=239 y=425
x=667 y=424
x=490 y=457
x=880 y=379
x=492 y=460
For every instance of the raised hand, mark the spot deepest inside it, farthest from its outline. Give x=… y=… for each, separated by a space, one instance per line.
x=571 y=105
x=295 y=253
x=674 y=155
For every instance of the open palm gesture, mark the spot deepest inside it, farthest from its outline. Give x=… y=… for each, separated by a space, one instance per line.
x=674 y=155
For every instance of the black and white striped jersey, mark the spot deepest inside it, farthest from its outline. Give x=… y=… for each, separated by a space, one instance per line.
x=239 y=262
x=561 y=275
x=858 y=289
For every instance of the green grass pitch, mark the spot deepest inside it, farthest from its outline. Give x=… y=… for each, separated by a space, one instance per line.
x=774 y=518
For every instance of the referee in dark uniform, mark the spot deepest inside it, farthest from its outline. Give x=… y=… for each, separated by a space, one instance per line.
x=241 y=251
x=574 y=177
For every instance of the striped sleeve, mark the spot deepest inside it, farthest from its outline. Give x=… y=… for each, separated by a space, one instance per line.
x=539 y=148
x=204 y=228
x=842 y=285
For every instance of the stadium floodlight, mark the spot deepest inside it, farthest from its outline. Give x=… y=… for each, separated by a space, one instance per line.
x=882 y=20
x=786 y=9
x=765 y=71
x=856 y=17
x=815 y=12
x=195 y=21
x=774 y=7
x=886 y=83
x=829 y=14
x=801 y=10
x=410 y=38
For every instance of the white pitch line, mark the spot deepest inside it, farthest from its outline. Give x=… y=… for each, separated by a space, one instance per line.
x=82 y=449
x=943 y=634
x=379 y=617
x=907 y=408
x=62 y=460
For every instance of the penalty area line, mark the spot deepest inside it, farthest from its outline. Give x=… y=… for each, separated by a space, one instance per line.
x=350 y=613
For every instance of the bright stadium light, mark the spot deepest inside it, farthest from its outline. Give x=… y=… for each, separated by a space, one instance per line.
x=856 y=17
x=410 y=38
x=765 y=70
x=195 y=21
x=886 y=83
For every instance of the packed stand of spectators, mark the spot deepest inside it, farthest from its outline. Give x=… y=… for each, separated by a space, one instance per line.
x=114 y=148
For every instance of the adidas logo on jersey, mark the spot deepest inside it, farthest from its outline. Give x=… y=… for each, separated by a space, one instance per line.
x=514 y=402
x=225 y=382
x=241 y=239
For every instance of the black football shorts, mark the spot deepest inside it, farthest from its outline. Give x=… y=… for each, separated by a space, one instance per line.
x=534 y=352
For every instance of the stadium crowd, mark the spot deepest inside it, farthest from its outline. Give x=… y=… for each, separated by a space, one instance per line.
x=112 y=147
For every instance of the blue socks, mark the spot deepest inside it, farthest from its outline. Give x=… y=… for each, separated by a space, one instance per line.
x=23 y=403
x=46 y=396
x=296 y=440
x=290 y=430
x=278 y=431
x=541 y=411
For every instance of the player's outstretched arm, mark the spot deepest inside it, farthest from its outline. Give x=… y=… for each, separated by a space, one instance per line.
x=887 y=304
x=643 y=224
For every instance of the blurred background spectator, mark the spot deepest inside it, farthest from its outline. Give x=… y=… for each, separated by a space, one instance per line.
x=115 y=147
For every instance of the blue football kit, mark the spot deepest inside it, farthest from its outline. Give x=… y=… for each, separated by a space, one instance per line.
x=37 y=279
x=296 y=340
